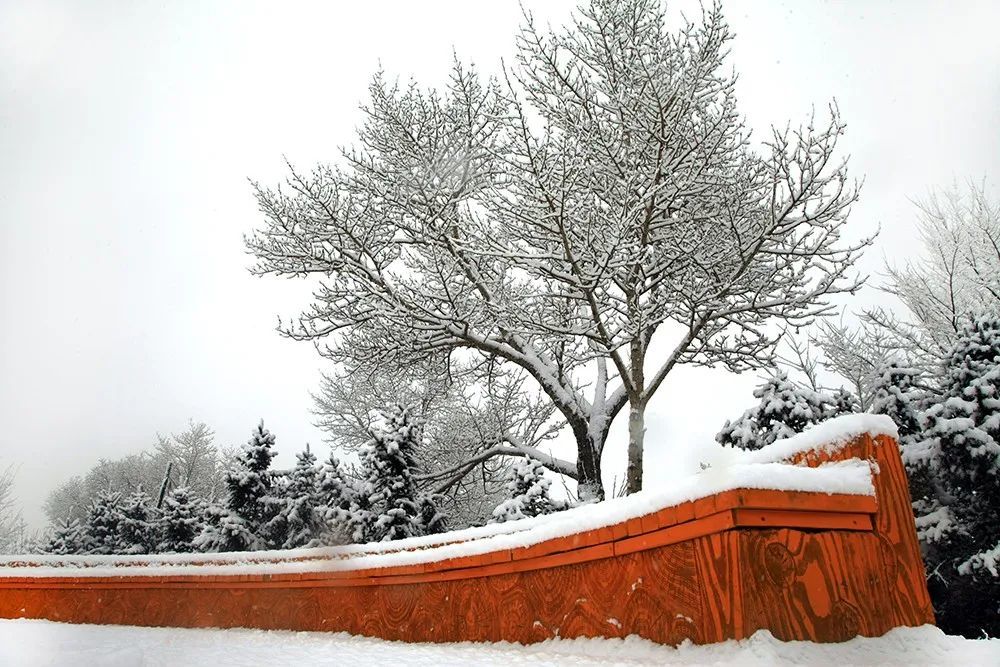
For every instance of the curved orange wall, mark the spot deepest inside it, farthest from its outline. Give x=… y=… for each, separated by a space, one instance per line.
x=803 y=565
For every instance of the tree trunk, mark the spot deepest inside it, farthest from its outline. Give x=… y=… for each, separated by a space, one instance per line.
x=163 y=486
x=588 y=467
x=636 y=437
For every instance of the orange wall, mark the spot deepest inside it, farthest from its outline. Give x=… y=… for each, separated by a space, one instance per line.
x=805 y=566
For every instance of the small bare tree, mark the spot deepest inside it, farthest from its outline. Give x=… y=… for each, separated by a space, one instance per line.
x=957 y=276
x=849 y=354
x=193 y=458
x=13 y=532
x=604 y=192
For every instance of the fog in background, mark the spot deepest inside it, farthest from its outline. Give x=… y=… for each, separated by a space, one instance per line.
x=128 y=132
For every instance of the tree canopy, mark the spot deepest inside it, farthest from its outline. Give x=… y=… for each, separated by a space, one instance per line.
x=603 y=190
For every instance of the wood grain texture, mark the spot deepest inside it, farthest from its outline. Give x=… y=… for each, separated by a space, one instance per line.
x=805 y=566
x=898 y=549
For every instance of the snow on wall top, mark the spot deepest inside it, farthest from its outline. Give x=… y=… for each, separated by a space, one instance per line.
x=730 y=469
x=829 y=435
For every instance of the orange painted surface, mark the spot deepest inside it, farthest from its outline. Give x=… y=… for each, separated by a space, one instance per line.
x=803 y=565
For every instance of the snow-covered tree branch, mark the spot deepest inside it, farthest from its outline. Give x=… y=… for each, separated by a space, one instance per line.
x=604 y=191
x=12 y=529
x=957 y=276
x=475 y=418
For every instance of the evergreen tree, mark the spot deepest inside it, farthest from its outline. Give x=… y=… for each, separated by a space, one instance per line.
x=298 y=519
x=104 y=519
x=273 y=532
x=842 y=402
x=901 y=393
x=138 y=527
x=333 y=489
x=67 y=538
x=238 y=526
x=390 y=461
x=963 y=436
x=784 y=409
x=181 y=521
x=432 y=519
x=343 y=508
x=223 y=531
x=528 y=491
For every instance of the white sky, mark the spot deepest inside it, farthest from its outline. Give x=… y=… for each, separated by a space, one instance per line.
x=128 y=130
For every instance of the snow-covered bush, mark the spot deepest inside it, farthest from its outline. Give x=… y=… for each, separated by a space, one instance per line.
x=299 y=519
x=344 y=509
x=67 y=537
x=528 y=490
x=104 y=518
x=901 y=392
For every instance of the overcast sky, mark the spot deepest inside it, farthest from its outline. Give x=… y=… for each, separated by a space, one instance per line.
x=128 y=131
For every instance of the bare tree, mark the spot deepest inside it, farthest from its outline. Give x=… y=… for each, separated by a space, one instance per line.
x=12 y=527
x=68 y=501
x=604 y=192
x=957 y=276
x=846 y=354
x=196 y=462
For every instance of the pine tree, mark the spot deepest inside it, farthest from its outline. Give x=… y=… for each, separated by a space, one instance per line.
x=181 y=521
x=298 y=521
x=963 y=435
x=137 y=530
x=332 y=488
x=104 y=519
x=784 y=409
x=238 y=526
x=223 y=531
x=900 y=392
x=528 y=491
x=842 y=402
x=432 y=519
x=343 y=508
x=390 y=460
x=250 y=480
x=67 y=538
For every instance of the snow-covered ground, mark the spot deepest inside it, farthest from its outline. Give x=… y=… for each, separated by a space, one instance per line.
x=32 y=643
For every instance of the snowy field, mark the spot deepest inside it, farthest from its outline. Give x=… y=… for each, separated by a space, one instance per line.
x=31 y=643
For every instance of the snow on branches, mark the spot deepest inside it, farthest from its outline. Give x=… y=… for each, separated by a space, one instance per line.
x=528 y=491
x=959 y=451
x=309 y=505
x=783 y=410
x=557 y=219
x=397 y=510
